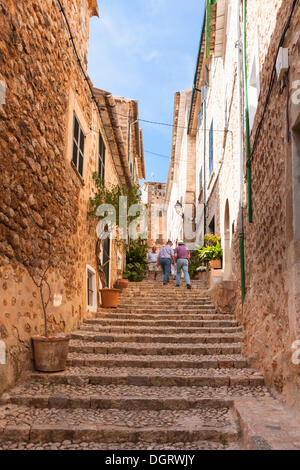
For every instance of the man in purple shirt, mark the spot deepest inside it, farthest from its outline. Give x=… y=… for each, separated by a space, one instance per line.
x=182 y=255
x=165 y=259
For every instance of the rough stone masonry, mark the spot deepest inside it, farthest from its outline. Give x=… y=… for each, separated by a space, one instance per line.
x=43 y=200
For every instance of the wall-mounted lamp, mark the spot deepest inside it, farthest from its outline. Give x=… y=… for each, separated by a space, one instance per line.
x=178 y=208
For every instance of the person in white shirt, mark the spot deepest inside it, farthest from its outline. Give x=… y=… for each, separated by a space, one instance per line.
x=152 y=258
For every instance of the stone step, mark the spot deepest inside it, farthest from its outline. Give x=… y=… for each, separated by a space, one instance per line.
x=148 y=377
x=176 y=339
x=199 y=323
x=37 y=393
x=132 y=446
x=183 y=296
x=151 y=303
x=223 y=320
x=159 y=311
x=90 y=326
x=97 y=425
x=61 y=396
x=200 y=362
x=154 y=349
x=165 y=305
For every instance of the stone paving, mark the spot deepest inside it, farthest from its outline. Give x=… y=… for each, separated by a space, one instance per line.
x=156 y=383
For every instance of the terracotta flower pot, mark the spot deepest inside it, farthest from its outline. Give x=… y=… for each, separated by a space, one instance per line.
x=50 y=354
x=121 y=284
x=110 y=298
x=215 y=264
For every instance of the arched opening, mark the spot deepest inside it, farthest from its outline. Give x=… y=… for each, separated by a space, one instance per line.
x=227 y=246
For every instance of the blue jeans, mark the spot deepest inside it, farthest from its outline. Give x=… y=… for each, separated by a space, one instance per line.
x=183 y=264
x=166 y=267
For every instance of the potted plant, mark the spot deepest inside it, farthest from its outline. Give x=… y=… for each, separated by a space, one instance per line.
x=201 y=272
x=50 y=351
x=121 y=283
x=136 y=260
x=211 y=252
x=110 y=297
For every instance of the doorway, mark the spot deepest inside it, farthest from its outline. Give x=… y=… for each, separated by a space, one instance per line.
x=106 y=259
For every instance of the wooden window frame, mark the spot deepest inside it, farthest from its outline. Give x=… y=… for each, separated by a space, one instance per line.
x=78 y=146
x=101 y=157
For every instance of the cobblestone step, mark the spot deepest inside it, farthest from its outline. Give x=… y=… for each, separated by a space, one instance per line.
x=91 y=326
x=202 y=322
x=210 y=319
x=40 y=388
x=153 y=349
x=177 y=339
x=162 y=311
x=61 y=397
x=154 y=377
x=222 y=445
x=155 y=304
x=96 y=425
x=185 y=361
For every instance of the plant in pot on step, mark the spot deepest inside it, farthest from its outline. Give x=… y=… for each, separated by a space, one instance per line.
x=121 y=283
x=50 y=351
x=136 y=260
x=211 y=252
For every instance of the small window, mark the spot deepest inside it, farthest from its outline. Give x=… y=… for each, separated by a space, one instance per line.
x=211 y=226
x=78 y=146
x=101 y=158
x=200 y=181
x=206 y=76
x=200 y=116
x=211 y=148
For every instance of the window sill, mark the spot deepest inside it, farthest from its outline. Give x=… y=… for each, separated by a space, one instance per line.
x=77 y=174
x=211 y=179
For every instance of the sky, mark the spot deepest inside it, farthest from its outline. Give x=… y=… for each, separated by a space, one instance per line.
x=146 y=50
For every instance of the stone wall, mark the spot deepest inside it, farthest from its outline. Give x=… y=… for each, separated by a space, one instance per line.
x=44 y=201
x=271 y=311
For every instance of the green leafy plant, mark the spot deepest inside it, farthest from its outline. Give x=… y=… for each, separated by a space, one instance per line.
x=211 y=240
x=209 y=253
x=136 y=260
x=110 y=194
x=195 y=264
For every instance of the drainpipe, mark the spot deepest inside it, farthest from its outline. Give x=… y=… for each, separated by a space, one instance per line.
x=249 y=179
x=204 y=168
x=240 y=147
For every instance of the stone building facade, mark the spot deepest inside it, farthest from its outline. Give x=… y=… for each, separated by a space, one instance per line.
x=54 y=136
x=271 y=309
x=180 y=193
x=271 y=312
x=153 y=195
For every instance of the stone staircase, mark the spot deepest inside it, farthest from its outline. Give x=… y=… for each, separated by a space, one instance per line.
x=161 y=371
